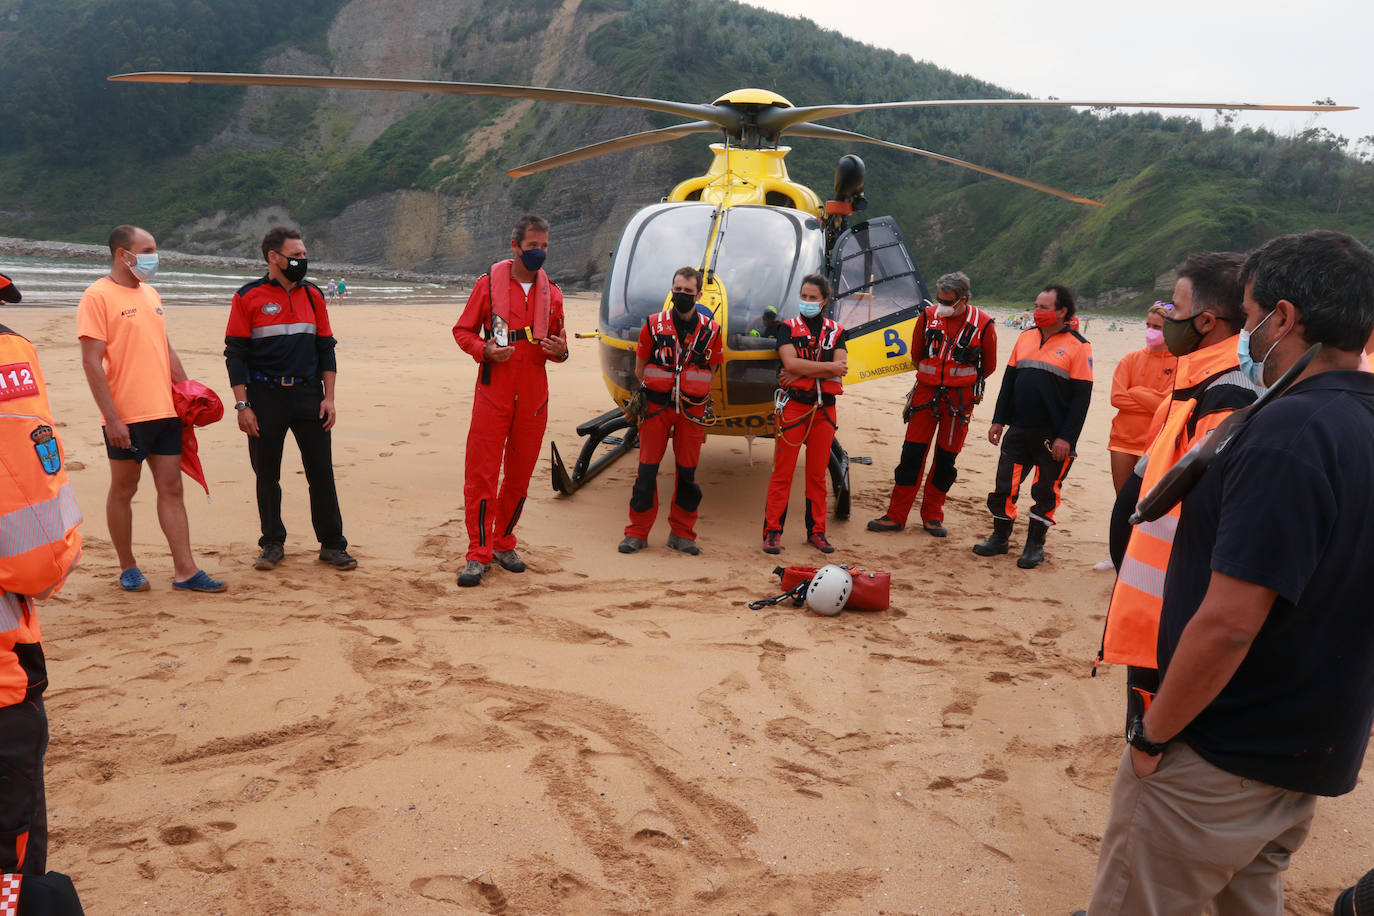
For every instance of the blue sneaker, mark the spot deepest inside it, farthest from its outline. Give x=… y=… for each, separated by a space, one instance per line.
x=200 y=582
x=133 y=580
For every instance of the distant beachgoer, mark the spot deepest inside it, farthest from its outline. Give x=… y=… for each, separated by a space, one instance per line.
x=512 y=325
x=279 y=350
x=130 y=366
x=332 y=289
x=342 y=288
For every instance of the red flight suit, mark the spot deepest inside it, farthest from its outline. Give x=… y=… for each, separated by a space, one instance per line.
x=808 y=418
x=678 y=379
x=509 y=404
x=952 y=355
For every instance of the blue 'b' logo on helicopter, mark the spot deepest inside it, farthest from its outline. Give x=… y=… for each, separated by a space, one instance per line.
x=45 y=444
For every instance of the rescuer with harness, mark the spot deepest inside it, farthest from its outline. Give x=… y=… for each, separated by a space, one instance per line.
x=39 y=546
x=512 y=325
x=957 y=347
x=814 y=362
x=678 y=350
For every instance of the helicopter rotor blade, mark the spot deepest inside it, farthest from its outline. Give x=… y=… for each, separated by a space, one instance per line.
x=630 y=141
x=821 y=132
x=719 y=116
x=782 y=119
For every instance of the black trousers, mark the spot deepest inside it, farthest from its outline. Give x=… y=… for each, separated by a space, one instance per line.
x=23 y=805
x=1025 y=451
x=295 y=409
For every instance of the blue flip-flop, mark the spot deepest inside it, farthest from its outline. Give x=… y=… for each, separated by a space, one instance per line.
x=200 y=582
x=133 y=580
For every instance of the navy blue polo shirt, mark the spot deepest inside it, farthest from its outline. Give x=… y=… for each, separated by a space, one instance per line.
x=1289 y=504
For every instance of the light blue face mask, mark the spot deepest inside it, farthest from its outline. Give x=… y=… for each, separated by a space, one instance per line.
x=809 y=309
x=144 y=266
x=1248 y=365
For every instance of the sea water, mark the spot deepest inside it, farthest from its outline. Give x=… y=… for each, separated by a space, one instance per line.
x=58 y=282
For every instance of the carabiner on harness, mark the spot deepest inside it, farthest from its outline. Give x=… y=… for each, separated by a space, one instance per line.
x=797 y=594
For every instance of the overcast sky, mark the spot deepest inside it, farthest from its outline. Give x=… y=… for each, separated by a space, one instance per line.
x=1168 y=50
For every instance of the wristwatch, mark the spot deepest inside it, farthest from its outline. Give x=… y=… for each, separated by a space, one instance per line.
x=1135 y=737
x=240 y=405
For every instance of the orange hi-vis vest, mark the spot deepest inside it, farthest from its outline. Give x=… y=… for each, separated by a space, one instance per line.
x=673 y=362
x=952 y=362
x=814 y=346
x=1208 y=387
x=39 y=543
x=541 y=301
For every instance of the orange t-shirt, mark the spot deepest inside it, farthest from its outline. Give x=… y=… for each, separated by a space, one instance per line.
x=1140 y=384
x=137 y=363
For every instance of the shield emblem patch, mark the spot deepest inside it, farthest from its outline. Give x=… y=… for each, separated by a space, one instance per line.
x=45 y=444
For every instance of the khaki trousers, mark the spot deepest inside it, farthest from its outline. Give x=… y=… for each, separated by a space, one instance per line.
x=1191 y=838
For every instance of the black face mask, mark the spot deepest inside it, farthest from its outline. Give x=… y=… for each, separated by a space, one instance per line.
x=1181 y=335
x=295 y=268
x=684 y=303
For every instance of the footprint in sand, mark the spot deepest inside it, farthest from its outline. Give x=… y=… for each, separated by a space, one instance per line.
x=479 y=893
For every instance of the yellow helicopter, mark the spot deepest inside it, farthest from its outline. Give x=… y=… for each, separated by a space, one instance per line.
x=752 y=231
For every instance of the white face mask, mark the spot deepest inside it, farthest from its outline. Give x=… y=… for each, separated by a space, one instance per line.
x=944 y=311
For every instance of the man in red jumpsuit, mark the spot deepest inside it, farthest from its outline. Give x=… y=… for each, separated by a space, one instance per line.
x=954 y=347
x=512 y=325
x=678 y=349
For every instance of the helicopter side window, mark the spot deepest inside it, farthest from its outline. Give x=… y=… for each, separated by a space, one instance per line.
x=656 y=242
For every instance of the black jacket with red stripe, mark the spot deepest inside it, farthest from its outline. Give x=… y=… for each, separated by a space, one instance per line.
x=278 y=332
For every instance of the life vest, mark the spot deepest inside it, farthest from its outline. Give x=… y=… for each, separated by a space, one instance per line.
x=674 y=362
x=952 y=362
x=541 y=301
x=817 y=348
x=39 y=541
x=1208 y=387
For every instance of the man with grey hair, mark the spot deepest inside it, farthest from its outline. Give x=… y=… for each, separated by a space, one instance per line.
x=1266 y=695
x=954 y=348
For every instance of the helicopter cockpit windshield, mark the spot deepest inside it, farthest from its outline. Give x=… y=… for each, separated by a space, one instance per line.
x=877 y=277
x=758 y=257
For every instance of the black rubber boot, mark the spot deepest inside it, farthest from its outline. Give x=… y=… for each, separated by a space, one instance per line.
x=996 y=543
x=1034 y=554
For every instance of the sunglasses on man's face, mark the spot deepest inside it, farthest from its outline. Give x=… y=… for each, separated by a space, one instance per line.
x=947 y=301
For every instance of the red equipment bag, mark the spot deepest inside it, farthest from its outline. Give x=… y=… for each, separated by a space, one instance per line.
x=871 y=589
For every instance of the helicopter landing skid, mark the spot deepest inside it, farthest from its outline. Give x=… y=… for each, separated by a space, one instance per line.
x=599 y=431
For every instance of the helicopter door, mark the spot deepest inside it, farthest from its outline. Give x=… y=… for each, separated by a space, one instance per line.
x=879 y=292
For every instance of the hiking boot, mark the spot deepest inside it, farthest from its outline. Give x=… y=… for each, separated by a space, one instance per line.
x=472 y=573
x=687 y=546
x=883 y=523
x=271 y=555
x=772 y=542
x=337 y=557
x=935 y=529
x=1034 y=553
x=632 y=544
x=510 y=560
x=818 y=541
x=997 y=542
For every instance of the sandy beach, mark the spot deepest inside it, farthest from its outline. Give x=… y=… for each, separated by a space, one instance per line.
x=603 y=734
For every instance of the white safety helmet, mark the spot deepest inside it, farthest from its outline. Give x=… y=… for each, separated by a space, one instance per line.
x=829 y=590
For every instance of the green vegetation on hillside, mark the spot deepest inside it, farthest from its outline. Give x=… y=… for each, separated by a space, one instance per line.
x=78 y=149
